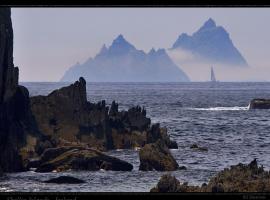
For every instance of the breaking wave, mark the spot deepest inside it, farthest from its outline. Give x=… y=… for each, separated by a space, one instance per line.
x=222 y=108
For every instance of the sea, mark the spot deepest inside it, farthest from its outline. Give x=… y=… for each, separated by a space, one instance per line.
x=212 y=115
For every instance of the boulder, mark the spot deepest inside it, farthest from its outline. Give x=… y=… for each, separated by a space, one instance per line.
x=157 y=156
x=65 y=180
x=169 y=183
x=259 y=104
x=19 y=134
x=79 y=158
x=196 y=147
x=182 y=168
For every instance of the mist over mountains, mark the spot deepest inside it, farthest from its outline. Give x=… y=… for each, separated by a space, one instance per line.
x=122 y=62
x=210 y=44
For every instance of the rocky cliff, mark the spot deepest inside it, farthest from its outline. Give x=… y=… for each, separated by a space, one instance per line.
x=68 y=118
x=18 y=130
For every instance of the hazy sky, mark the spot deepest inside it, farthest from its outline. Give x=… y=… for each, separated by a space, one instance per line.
x=47 y=41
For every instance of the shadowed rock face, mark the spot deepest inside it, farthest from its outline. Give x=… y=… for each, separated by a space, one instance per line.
x=259 y=104
x=79 y=158
x=1 y=172
x=239 y=178
x=18 y=130
x=68 y=117
x=157 y=156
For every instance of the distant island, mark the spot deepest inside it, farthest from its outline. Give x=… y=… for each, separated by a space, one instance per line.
x=122 y=62
x=212 y=44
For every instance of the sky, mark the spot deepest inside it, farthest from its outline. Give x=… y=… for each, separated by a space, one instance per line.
x=47 y=41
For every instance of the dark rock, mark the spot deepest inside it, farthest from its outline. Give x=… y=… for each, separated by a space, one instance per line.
x=67 y=115
x=259 y=104
x=157 y=156
x=1 y=172
x=167 y=183
x=79 y=158
x=217 y=188
x=18 y=130
x=204 y=185
x=156 y=132
x=196 y=147
x=65 y=180
x=182 y=168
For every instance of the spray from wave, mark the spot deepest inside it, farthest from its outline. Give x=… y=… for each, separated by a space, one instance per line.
x=234 y=108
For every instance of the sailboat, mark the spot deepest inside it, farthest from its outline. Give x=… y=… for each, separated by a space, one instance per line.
x=213 y=78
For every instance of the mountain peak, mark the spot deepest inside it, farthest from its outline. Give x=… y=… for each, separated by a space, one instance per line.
x=211 y=43
x=152 y=51
x=120 y=45
x=120 y=39
x=210 y=23
x=103 y=49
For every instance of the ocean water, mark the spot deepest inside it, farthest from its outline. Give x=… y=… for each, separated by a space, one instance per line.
x=215 y=116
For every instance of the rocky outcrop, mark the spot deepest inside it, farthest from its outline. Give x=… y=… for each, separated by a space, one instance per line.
x=156 y=132
x=157 y=156
x=239 y=178
x=66 y=116
x=196 y=147
x=169 y=183
x=259 y=104
x=79 y=158
x=65 y=180
x=18 y=130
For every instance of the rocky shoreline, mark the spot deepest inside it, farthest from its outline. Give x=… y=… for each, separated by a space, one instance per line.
x=238 y=178
x=64 y=131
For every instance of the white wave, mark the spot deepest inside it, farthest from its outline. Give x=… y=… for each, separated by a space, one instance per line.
x=222 y=108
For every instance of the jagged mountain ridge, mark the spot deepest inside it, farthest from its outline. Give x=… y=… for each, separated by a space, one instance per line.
x=211 y=43
x=122 y=62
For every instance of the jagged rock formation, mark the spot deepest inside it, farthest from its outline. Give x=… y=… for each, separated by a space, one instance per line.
x=68 y=118
x=79 y=158
x=18 y=130
x=239 y=178
x=210 y=43
x=157 y=156
x=259 y=104
x=122 y=62
x=65 y=180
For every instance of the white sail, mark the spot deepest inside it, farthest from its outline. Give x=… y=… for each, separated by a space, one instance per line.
x=213 y=78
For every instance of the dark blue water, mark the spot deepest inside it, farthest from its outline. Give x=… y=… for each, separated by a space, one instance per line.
x=213 y=116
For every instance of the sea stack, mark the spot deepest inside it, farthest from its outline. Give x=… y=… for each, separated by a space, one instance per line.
x=18 y=131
